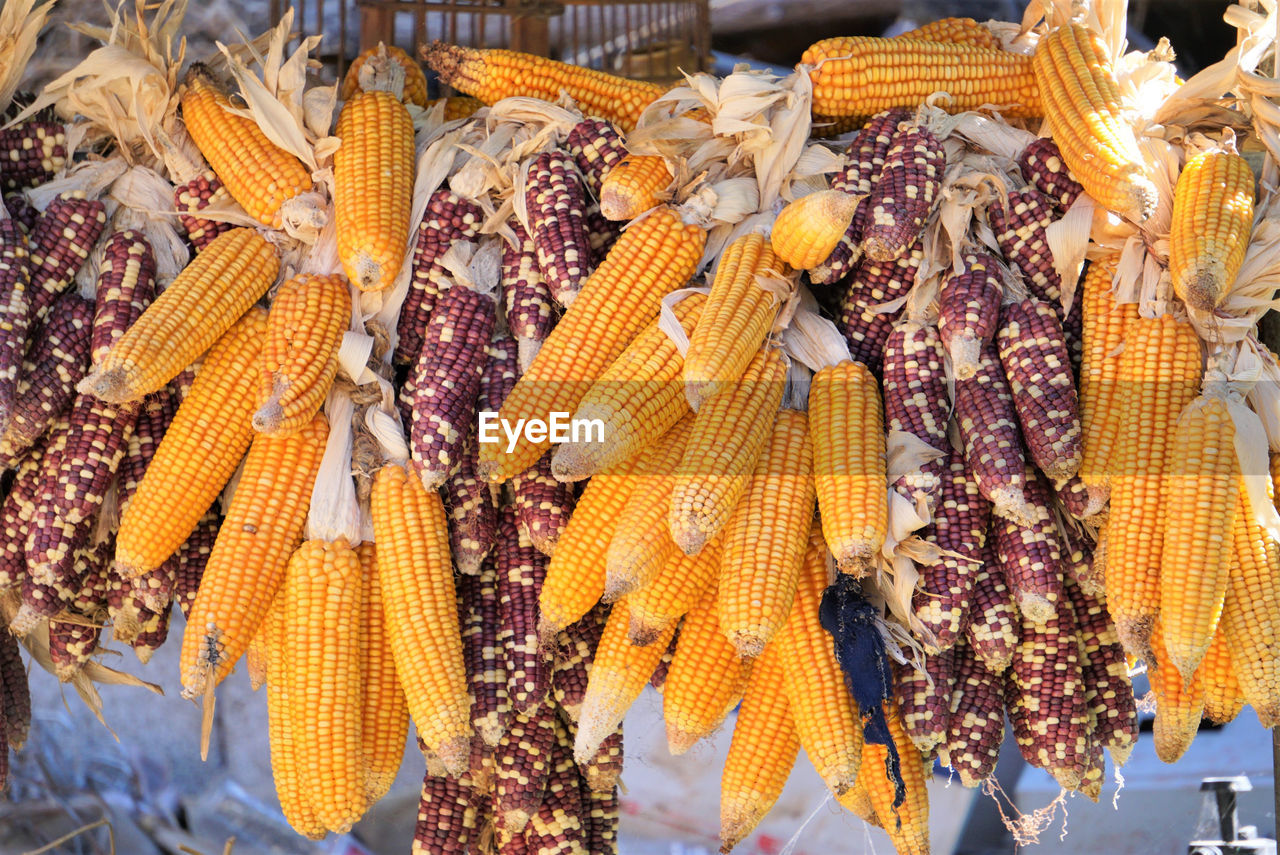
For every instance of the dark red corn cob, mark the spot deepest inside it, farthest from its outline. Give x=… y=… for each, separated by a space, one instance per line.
x=15 y=511
x=521 y=570
x=865 y=159
x=510 y=844
x=181 y=385
x=596 y=147
x=924 y=697
x=543 y=504
x=192 y=557
x=126 y=286
x=1033 y=353
x=976 y=724
x=501 y=371
x=446 y=382
x=153 y=420
x=15 y=696
x=522 y=765
x=604 y=769
x=192 y=198
x=95 y=579
x=472 y=505
x=153 y=631
x=531 y=313
x=1075 y=497
x=556 y=199
x=1031 y=556
x=56 y=362
x=557 y=828
x=31 y=153
x=15 y=309
x=959 y=530
x=61 y=241
x=992 y=630
x=448 y=218
x=1019 y=225
x=44 y=599
x=916 y=401
x=860 y=319
x=905 y=192
x=602 y=815
x=21 y=209
x=1108 y=688
x=450 y=816
x=72 y=642
x=989 y=435
x=1049 y=685
x=575 y=650
x=1095 y=769
x=969 y=311
x=486 y=666
x=602 y=233
x=1041 y=166
x=1077 y=561
x=659 y=678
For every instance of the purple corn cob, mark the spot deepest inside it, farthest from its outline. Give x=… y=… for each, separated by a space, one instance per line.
x=521 y=570
x=989 y=435
x=969 y=311
x=486 y=666
x=126 y=286
x=596 y=147
x=992 y=630
x=446 y=382
x=472 y=505
x=659 y=678
x=61 y=241
x=1108 y=689
x=448 y=218
x=15 y=512
x=1078 y=563
x=32 y=152
x=450 y=815
x=15 y=309
x=44 y=599
x=501 y=371
x=556 y=198
x=1031 y=557
x=522 y=761
x=557 y=827
x=21 y=209
x=575 y=650
x=905 y=192
x=15 y=697
x=925 y=700
x=602 y=812
x=153 y=631
x=860 y=319
x=1042 y=167
x=192 y=198
x=531 y=313
x=543 y=505
x=1019 y=226
x=916 y=400
x=604 y=769
x=1078 y=500
x=192 y=557
x=74 y=639
x=976 y=726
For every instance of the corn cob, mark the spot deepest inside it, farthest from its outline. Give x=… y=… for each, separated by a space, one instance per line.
x=596 y=147
x=31 y=153
x=1033 y=353
x=543 y=505
x=248 y=563
x=22 y=211
x=1212 y=220
x=386 y=714
x=725 y=442
x=637 y=399
x=421 y=615
x=1179 y=706
x=826 y=717
x=904 y=193
x=193 y=557
x=706 y=679
x=761 y=754
x=57 y=360
x=60 y=242
x=258 y=174
x=944 y=599
x=989 y=434
x=846 y=426
x=603 y=813
x=992 y=630
x=1083 y=107
x=1041 y=166
x=15 y=510
x=615 y=304
x=42 y=599
x=1159 y=375
x=193 y=197
x=917 y=401
x=555 y=195
x=457 y=106
x=530 y=313
x=15 y=697
x=450 y=815
x=571 y=669
x=1223 y=699
x=522 y=766
x=619 y=672
x=636 y=184
x=446 y=381
x=15 y=283
x=873 y=283
x=1019 y=224
x=603 y=771
x=851 y=80
x=965 y=31
x=521 y=571
x=907 y=824
x=557 y=827
x=473 y=513
x=659 y=678
x=308 y=316
x=201 y=304
x=809 y=229
x=1249 y=615
x=478 y=615
x=72 y=643
x=1105 y=325
x=924 y=699
x=415 y=82
x=1031 y=556
x=968 y=311
x=126 y=285
x=1108 y=690
x=857 y=801
x=448 y=218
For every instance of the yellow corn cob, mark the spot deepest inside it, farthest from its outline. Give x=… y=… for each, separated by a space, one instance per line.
x=862 y=76
x=955 y=30
x=638 y=399
x=1251 y=613
x=857 y=801
x=1223 y=698
x=846 y=426
x=576 y=573
x=300 y=355
x=1212 y=220
x=765 y=540
x=199 y=452
x=263 y=526
x=1105 y=325
x=619 y=672
x=761 y=754
x=825 y=714
x=257 y=173
x=457 y=106
x=257 y=656
x=682 y=582
x=636 y=184
x=419 y=605
x=1201 y=480
x=492 y=75
x=705 y=681
x=642 y=544
x=809 y=228
x=207 y=297
x=1159 y=375
x=1178 y=707
x=320 y=665
x=736 y=319
x=386 y=713
x=616 y=302
x=1083 y=108
x=415 y=82
x=908 y=824
x=728 y=435
x=373 y=184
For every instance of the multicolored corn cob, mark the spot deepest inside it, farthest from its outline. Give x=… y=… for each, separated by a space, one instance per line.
x=479 y=617
x=976 y=722
x=530 y=311
x=521 y=570
x=193 y=197
x=543 y=505
x=917 y=401
x=872 y=284
x=32 y=152
x=988 y=422
x=522 y=766
x=1108 y=689
x=1041 y=166
x=969 y=311
x=924 y=698
x=557 y=827
x=15 y=284
x=571 y=668
x=60 y=243
x=904 y=193
x=596 y=147
x=555 y=196
x=1019 y=225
